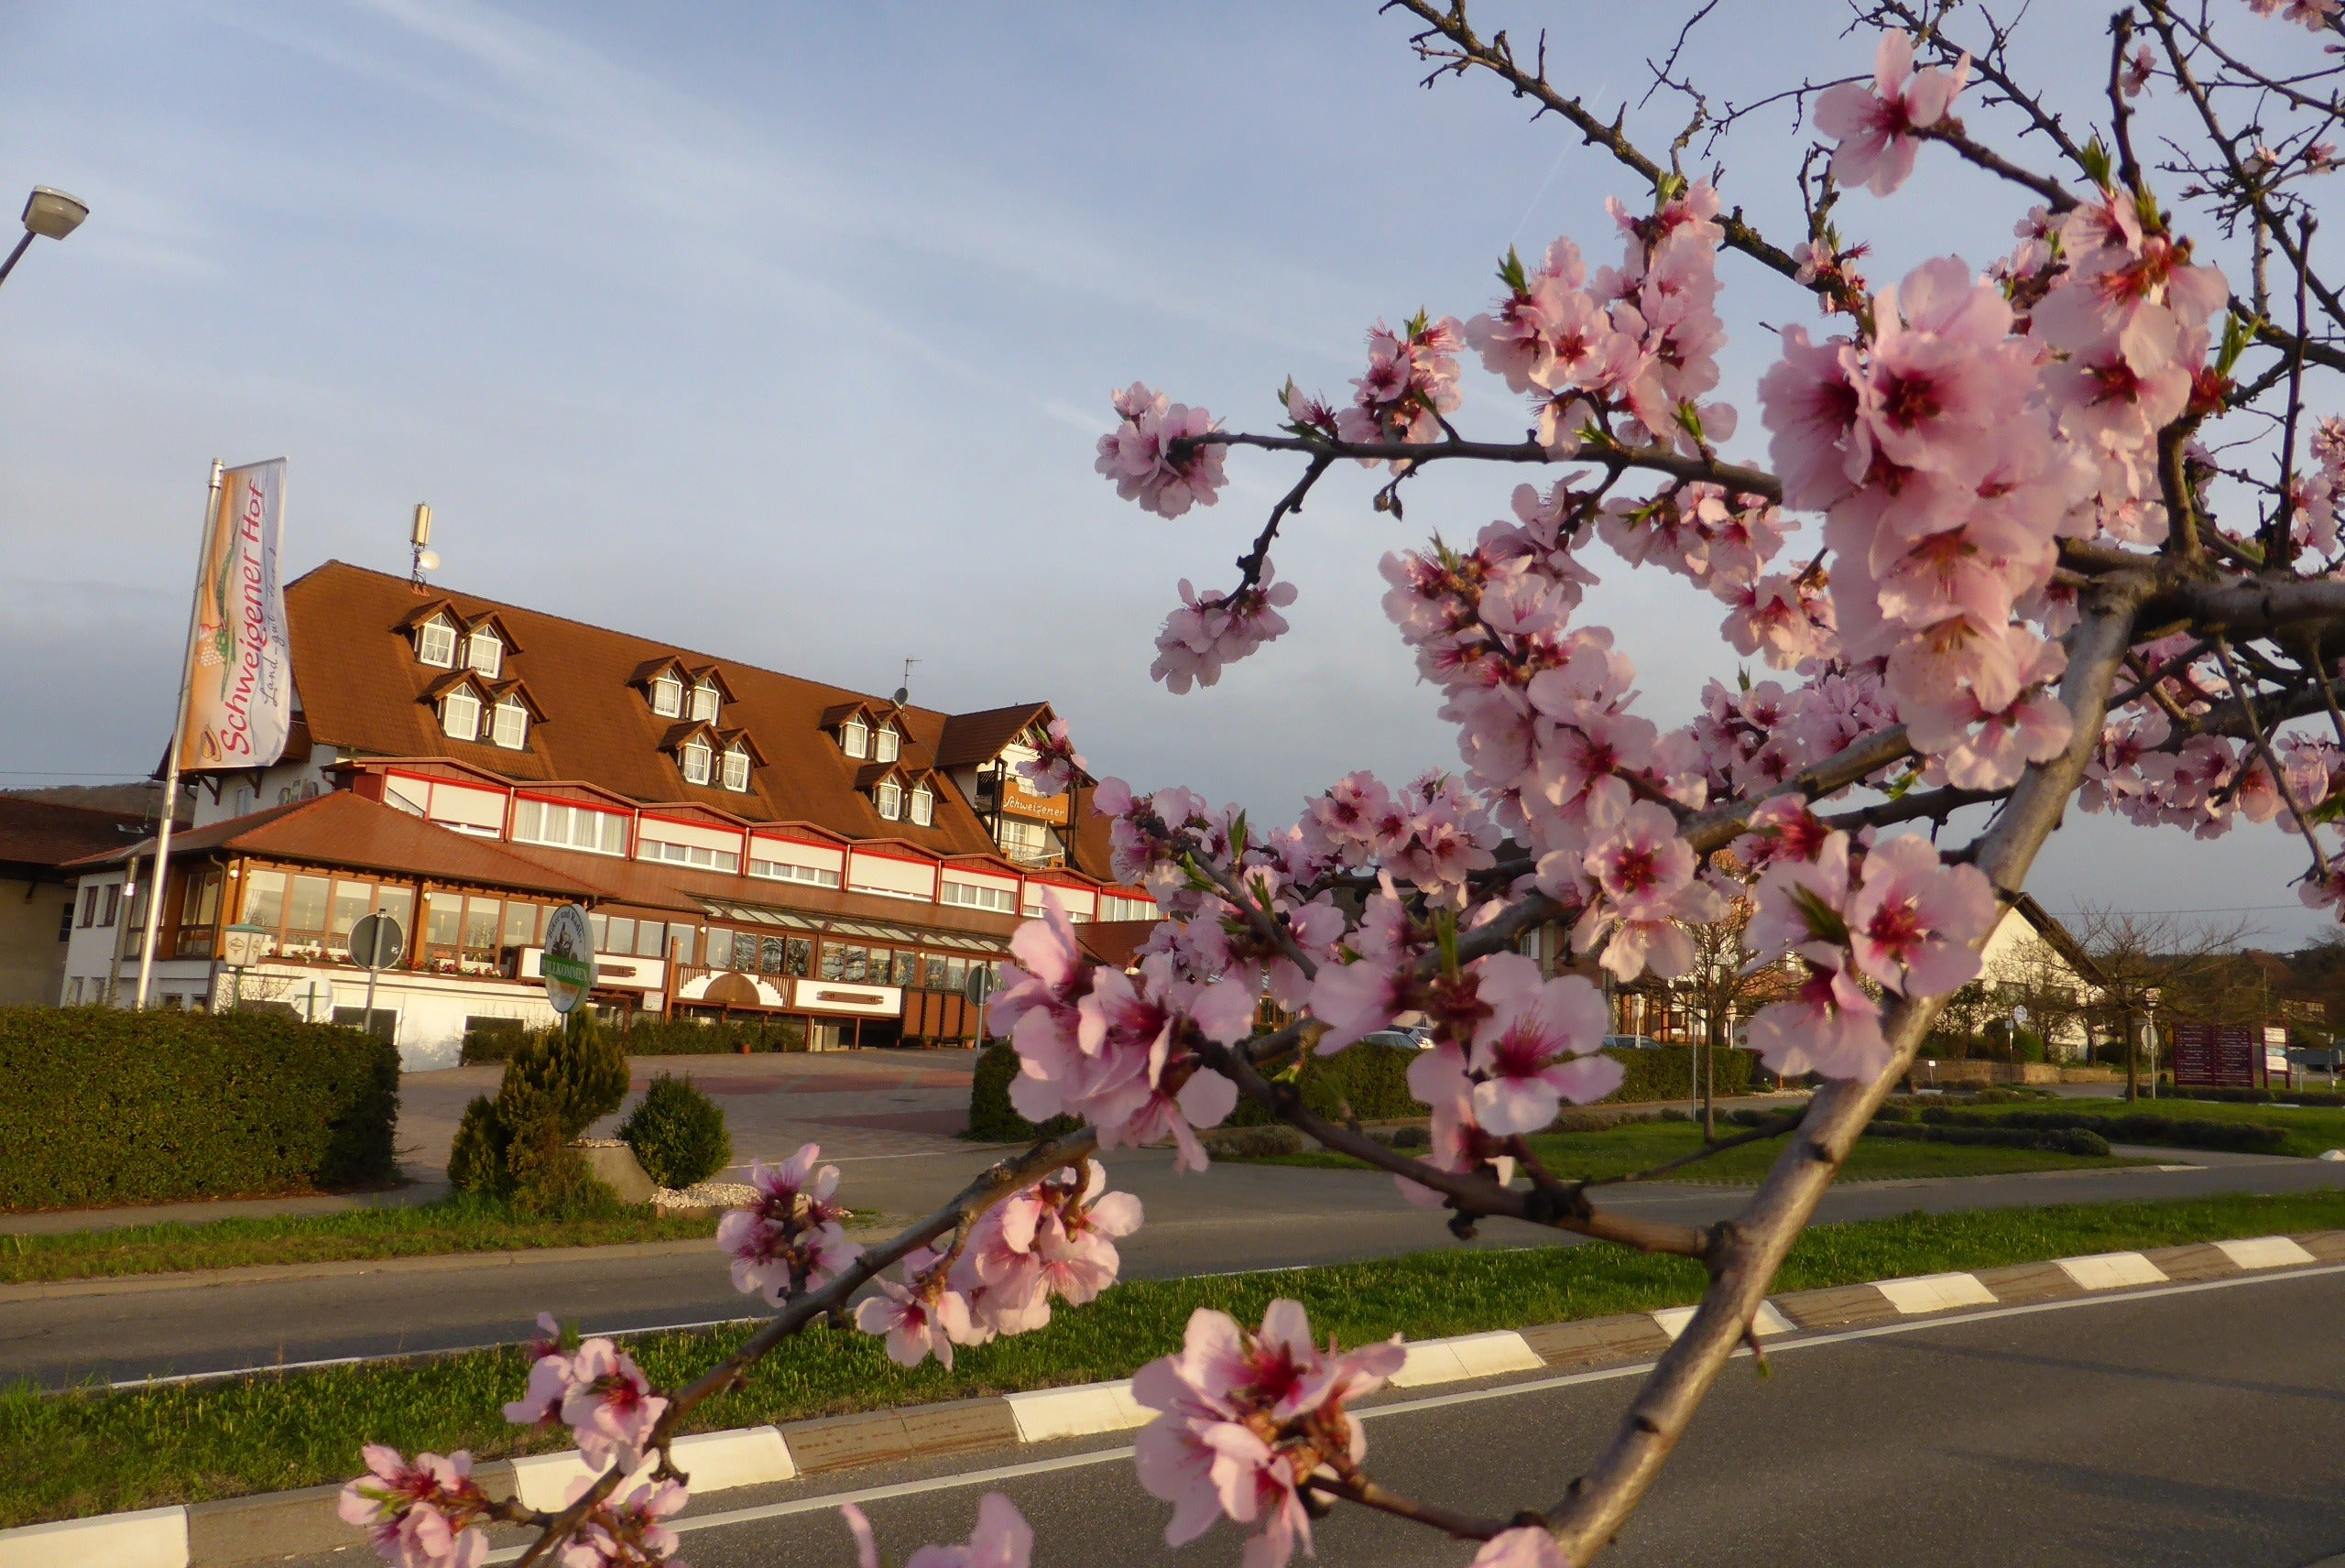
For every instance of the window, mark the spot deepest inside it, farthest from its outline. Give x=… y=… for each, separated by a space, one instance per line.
x=855 y=963
x=834 y=963
x=772 y=958
x=460 y=714
x=854 y=737
x=568 y=827
x=889 y=796
x=443 y=921
x=651 y=939
x=667 y=696
x=907 y=965
x=956 y=970
x=399 y=904
x=89 y=905
x=923 y=806
x=682 y=940
x=690 y=855
x=512 y=724
x=887 y=744
x=704 y=702
x=264 y=899
x=483 y=920
x=618 y=935
x=350 y=899
x=798 y=956
x=435 y=642
x=695 y=756
x=521 y=924
x=485 y=652
x=736 y=770
x=74 y=993
x=114 y=903
x=305 y=912
x=1022 y=840
x=720 y=949
x=784 y=871
x=979 y=895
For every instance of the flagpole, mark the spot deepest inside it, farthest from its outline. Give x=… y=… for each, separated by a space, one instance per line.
x=160 y=878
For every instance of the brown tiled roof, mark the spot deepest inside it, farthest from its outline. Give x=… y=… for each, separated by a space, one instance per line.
x=971 y=738
x=342 y=829
x=1117 y=943
x=362 y=689
x=42 y=835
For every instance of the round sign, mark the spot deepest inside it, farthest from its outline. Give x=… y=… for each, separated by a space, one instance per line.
x=377 y=941
x=978 y=985
x=567 y=965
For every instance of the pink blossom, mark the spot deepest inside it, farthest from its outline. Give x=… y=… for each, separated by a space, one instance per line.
x=1915 y=924
x=793 y=1237
x=430 y=1514
x=1142 y=455
x=917 y=1325
x=628 y=1534
x=1525 y=1548
x=610 y=1407
x=1056 y=766
x=1538 y=1048
x=1212 y=629
x=1874 y=126
x=1830 y=1026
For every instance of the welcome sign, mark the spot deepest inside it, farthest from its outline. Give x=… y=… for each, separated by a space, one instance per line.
x=239 y=682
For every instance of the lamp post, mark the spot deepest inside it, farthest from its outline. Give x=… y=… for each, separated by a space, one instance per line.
x=51 y=214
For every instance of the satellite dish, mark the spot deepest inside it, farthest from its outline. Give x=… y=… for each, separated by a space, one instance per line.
x=427 y=561
x=904 y=695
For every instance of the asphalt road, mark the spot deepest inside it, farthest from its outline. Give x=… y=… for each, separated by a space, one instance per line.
x=2193 y=1427
x=1237 y=1217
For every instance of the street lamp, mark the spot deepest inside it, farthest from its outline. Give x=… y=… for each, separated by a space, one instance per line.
x=52 y=215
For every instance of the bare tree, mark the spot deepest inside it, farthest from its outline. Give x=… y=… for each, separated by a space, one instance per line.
x=2153 y=963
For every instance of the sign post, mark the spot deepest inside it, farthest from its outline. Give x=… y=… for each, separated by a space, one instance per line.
x=567 y=966
x=378 y=941
x=976 y=988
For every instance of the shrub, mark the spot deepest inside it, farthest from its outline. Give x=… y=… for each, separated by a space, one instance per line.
x=1364 y=1080
x=656 y=1037
x=2246 y=1138
x=992 y=1118
x=678 y=1134
x=579 y=1074
x=2055 y=1141
x=476 y=1159
x=106 y=1105
x=2324 y=1098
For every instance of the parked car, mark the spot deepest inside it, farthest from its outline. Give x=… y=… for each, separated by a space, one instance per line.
x=1630 y=1042
x=1416 y=1039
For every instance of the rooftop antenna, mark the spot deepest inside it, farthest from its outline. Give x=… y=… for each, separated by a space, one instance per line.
x=420 y=538
x=904 y=692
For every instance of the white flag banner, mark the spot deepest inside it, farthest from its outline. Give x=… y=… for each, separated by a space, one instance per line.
x=239 y=682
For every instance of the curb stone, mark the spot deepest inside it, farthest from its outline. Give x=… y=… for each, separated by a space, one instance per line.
x=236 y=1532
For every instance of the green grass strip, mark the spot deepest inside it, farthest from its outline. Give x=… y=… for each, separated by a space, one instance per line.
x=97 y=1451
x=1640 y=1146
x=2310 y=1129
x=456 y=1224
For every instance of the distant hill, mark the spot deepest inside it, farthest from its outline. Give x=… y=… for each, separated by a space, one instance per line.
x=138 y=799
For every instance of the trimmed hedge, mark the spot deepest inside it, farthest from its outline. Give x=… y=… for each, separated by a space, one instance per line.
x=2054 y=1140
x=106 y=1105
x=2180 y=1132
x=656 y=1037
x=2320 y=1097
x=1666 y=1072
x=1368 y=1083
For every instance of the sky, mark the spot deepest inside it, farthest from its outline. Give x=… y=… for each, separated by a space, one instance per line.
x=786 y=331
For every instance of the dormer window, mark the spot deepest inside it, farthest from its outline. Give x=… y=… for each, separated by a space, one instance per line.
x=854 y=738
x=923 y=806
x=695 y=761
x=511 y=724
x=736 y=770
x=485 y=652
x=886 y=744
x=889 y=796
x=704 y=701
x=460 y=714
x=667 y=696
x=435 y=643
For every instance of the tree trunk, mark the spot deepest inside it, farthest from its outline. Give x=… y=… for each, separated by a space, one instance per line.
x=2132 y=1060
x=1711 y=1076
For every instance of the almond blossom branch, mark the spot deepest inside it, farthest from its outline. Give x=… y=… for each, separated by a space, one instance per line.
x=1368 y=1494
x=1613 y=459
x=2263 y=749
x=1751 y=1248
x=991 y=1186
